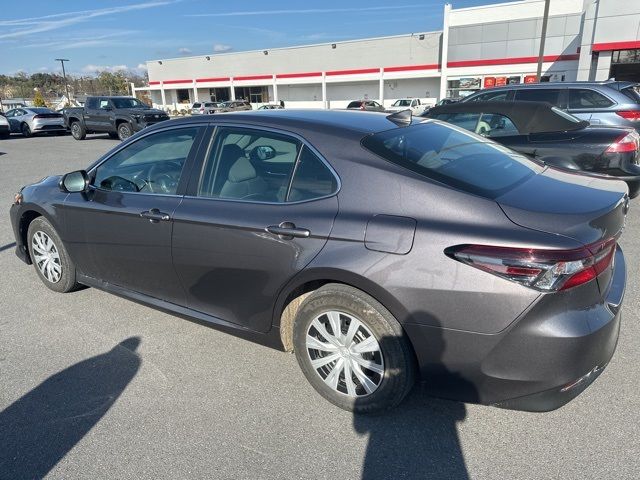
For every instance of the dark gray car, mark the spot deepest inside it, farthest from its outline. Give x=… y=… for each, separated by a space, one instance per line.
x=379 y=249
x=600 y=103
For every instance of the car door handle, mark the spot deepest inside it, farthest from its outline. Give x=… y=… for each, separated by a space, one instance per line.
x=154 y=215
x=288 y=229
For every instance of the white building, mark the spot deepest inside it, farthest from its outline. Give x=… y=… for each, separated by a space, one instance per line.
x=478 y=47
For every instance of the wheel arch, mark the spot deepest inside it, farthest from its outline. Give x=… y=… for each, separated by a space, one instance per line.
x=305 y=283
x=26 y=218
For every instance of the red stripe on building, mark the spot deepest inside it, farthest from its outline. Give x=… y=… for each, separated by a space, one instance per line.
x=510 y=61
x=299 y=75
x=154 y=83
x=409 y=68
x=167 y=82
x=630 y=45
x=353 y=72
x=254 y=77
x=212 y=79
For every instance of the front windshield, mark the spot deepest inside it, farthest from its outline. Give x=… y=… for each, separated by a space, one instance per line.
x=128 y=103
x=402 y=103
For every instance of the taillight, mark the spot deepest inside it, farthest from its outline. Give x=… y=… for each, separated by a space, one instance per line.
x=544 y=270
x=630 y=114
x=37 y=116
x=629 y=142
x=201 y=110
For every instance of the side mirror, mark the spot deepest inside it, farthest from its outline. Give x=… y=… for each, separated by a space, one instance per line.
x=263 y=152
x=74 y=182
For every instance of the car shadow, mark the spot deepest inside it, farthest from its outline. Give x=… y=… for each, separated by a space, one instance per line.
x=40 y=428
x=419 y=438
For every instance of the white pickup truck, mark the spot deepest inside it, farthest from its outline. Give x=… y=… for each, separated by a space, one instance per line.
x=413 y=104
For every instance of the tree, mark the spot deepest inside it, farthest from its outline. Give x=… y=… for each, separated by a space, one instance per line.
x=38 y=100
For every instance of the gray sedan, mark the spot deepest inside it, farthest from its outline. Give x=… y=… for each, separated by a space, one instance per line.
x=32 y=120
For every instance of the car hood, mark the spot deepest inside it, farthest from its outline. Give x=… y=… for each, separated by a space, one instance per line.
x=581 y=207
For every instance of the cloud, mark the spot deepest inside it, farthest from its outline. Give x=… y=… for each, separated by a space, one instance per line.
x=104 y=68
x=219 y=48
x=142 y=67
x=61 y=20
x=184 y=51
x=301 y=11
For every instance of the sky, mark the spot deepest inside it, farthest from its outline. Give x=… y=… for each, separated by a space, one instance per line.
x=118 y=35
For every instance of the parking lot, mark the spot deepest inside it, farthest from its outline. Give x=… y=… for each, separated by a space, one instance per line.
x=95 y=386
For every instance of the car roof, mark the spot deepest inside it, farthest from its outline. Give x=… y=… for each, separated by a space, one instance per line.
x=358 y=122
x=528 y=117
x=617 y=85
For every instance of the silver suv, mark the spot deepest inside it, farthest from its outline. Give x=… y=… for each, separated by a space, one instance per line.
x=203 y=108
x=233 y=106
x=600 y=103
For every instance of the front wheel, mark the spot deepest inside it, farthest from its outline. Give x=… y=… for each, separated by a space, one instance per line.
x=50 y=258
x=124 y=131
x=352 y=350
x=78 y=131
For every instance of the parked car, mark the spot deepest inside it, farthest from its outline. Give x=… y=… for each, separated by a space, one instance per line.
x=447 y=101
x=4 y=126
x=379 y=248
x=369 y=105
x=120 y=117
x=34 y=120
x=413 y=104
x=555 y=138
x=233 y=106
x=204 y=108
x=600 y=103
x=270 y=106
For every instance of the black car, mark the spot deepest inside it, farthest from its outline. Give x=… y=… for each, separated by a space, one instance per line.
x=553 y=137
x=379 y=248
x=120 y=117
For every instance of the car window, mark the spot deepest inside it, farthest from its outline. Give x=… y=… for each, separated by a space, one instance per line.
x=468 y=121
x=550 y=95
x=312 y=178
x=354 y=105
x=92 y=103
x=196 y=105
x=454 y=157
x=104 y=103
x=249 y=164
x=500 y=96
x=631 y=93
x=496 y=125
x=152 y=164
x=10 y=113
x=585 y=98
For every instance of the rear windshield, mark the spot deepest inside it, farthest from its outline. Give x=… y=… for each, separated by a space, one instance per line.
x=632 y=93
x=196 y=105
x=452 y=156
x=354 y=105
x=41 y=110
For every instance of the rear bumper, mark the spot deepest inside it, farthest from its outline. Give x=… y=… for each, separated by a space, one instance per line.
x=547 y=357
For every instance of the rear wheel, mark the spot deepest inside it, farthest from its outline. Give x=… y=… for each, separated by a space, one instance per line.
x=124 y=131
x=50 y=258
x=26 y=131
x=352 y=350
x=78 y=131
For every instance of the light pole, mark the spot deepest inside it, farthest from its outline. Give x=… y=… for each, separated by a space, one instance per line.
x=64 y=76
x=543 y=37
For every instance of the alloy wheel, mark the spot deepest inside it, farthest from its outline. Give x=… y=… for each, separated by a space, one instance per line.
x=46 y=256
x=345 y=354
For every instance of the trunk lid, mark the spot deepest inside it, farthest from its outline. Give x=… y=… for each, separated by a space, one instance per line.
x=584 y=208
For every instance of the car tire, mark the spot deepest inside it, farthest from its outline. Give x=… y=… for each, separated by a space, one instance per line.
x=78 y=131
x=113 y=135
x=26 y=131
x=124 y=131
x=389 y=373
x=50 y=258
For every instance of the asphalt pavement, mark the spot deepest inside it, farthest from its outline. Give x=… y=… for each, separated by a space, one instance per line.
x=95 y=386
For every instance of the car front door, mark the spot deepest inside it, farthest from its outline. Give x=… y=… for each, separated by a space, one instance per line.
x=104 y=116
x=120 y=231
x=258 y=212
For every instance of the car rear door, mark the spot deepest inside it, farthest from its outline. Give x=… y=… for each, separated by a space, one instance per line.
x=120 y=231
x=246 y=228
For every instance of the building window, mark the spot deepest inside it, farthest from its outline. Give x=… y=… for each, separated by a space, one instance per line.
x=220 y=94
x=182 y=95
x=253 y=94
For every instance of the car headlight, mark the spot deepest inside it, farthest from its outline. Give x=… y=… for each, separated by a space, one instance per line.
x=137 y=116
